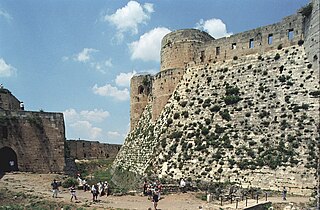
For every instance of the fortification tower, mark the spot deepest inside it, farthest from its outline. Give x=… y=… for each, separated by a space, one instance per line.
x=140 y=86
x=177 y=50
x=180 y=47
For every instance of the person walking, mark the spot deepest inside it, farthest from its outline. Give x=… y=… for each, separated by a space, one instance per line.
x=73 y=192
x=284 y=193
x=55 y=188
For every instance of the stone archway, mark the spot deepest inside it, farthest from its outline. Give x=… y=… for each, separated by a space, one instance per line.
x=9 y=161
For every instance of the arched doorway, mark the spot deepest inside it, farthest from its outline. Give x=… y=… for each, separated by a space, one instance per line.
x=9 y=161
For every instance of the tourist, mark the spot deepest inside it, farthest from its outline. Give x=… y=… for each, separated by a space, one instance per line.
x=73 y=192
x=55 y=188
x=145 y=188
x=284 y=193
x=159 y=188
x=155 y=199
x=182 y=185
x=95 y=193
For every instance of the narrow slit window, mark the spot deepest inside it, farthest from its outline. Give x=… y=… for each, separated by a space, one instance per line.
x=234 y=46
x=270 y=38
x=251 y=43
x=217 y=50
x=290 y=34
x=202 y=56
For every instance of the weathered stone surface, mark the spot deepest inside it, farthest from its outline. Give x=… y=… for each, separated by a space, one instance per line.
x=82 y=149
x=246 y=115
x=37 y=138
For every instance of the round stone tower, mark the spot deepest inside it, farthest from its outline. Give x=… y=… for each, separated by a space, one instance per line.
x=141 y=86
x=180 y=47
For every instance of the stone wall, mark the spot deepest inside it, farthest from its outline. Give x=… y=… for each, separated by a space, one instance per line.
x=140 y=93
x=180 y=47
x=260 y=40
x=8 y=101
x=164 y=84
x=312 y=34
x=82 y=149
x=37 y=139
x=184 y=48
x=248 y=114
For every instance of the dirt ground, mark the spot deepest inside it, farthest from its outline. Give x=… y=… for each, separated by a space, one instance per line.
x=38 y=186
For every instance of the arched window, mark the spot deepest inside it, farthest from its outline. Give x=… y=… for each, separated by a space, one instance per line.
x=140 y=89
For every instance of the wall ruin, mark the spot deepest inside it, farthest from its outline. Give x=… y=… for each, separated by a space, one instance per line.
x=82 y=149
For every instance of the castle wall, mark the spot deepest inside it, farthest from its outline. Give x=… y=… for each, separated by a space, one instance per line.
x=140 y=86
x=8 y=101
x=165 y=82
x=37 y=138
x=81 y=149
x=287 y=32
x=312 y=43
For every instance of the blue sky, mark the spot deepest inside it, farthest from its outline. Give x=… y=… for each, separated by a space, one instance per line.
x=77 y=56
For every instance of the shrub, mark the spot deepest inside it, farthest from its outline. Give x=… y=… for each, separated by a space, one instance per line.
x=225 y=115
x=176 y=135
x=204 y=131
x=69 y=182
x=183 y=103
x=306 y=11
x=231 y=99
x=219 y=129
x=277 y=56
x=232 y=90
x=169 y=121
x=176 y=115
x=279 y=46
x=185 y=114
x=309 y=66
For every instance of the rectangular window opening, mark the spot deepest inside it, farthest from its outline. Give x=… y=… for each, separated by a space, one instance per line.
x=202 y=56
x=251 y=43
x=290 y=34
x=234 y=46
x=217 y=50
x=270 y=38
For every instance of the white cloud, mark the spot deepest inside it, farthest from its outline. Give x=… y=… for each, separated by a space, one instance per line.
x=113 y=134
x=109 y=90
x=81 y=123
x=147 y=48
x=123 y=79
x=95 y=115
x=86 y=130
x=102 y=66
x=129 y=17
x=5 y=14
x=108 y=63
x=85 y=55
x=6 y=70
x=215 y=27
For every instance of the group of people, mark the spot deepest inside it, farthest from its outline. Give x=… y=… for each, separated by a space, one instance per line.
x=153 y=191
x=99 y=189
